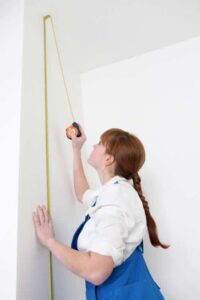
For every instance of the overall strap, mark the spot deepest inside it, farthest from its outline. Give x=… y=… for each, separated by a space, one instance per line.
x=140 y=247
x=78 y=231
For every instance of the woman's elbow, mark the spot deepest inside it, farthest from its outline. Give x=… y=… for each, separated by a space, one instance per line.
x=102 y=273
x=100 y=279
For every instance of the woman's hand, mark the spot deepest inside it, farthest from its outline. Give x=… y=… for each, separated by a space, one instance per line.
x=77 y=142
x=43 y=225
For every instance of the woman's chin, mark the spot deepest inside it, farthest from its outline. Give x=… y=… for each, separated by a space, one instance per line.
x=90 y=162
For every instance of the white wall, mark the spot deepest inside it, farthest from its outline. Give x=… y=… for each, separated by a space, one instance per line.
x=10 y=83
x=156 y=96
x=67 y=212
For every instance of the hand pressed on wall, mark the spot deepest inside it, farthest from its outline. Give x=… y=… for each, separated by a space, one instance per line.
x=43 y=225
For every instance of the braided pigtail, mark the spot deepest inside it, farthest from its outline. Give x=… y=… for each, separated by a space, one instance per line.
x=152 y=229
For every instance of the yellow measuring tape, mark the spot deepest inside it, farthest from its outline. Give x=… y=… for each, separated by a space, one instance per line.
x=45 y=19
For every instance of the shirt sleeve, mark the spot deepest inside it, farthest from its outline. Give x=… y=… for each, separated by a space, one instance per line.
x=111 y=232
x=89 y=197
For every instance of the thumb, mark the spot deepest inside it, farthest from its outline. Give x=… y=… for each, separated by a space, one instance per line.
x=72 y=134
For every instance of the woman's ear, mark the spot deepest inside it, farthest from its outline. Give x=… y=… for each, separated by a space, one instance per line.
x=109 y=159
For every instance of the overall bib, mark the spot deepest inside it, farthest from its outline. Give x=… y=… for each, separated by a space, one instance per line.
x=129 y=281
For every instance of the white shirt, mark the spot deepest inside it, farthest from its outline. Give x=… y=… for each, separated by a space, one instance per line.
x=117 y=222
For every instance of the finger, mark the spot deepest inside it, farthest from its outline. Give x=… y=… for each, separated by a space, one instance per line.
x=72 y=134
x=46 y=214
x=40 y=214
x=36 y=219
x=81 y=129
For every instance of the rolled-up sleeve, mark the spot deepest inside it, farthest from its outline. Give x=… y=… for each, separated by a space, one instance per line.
x=111 y=232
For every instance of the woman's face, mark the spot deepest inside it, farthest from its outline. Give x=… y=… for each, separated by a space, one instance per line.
x=97 y=156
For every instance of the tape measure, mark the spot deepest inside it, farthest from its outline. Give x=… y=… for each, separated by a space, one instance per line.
x=72 y=127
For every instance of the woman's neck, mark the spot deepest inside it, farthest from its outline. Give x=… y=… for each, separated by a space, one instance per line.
x=105 y=177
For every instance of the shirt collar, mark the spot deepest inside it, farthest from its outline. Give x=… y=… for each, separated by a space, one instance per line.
x=116 y=178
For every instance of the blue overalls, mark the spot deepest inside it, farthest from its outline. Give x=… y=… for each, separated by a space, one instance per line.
x=129 y=281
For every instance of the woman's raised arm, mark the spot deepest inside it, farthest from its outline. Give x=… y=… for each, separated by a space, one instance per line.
x=80 y=180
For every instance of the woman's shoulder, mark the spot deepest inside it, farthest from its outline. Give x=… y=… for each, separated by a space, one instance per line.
x=122 y=194
x=118 y=192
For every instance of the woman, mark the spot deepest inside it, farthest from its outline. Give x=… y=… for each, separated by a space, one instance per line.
x=107 y=248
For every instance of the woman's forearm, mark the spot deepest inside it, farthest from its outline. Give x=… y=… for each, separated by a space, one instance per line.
x=76 y=261
x=80 y=180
